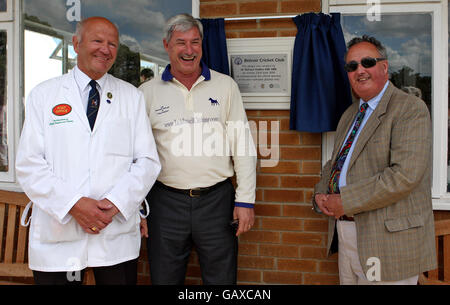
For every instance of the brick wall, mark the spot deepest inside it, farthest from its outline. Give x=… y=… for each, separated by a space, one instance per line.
x=287 y=245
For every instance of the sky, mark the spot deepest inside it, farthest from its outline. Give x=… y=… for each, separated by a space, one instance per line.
x=140 y=22
x=407 y=38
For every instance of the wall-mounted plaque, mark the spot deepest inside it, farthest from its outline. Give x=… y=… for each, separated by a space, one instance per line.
x=260 y=73
x=262 y=69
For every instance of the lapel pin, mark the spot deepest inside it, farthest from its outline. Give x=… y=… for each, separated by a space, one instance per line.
x=109 y=95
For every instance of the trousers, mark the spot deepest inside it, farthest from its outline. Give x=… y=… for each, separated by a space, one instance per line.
x=179 y=222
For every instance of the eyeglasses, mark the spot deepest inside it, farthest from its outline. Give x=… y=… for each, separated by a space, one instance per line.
x=366 y=62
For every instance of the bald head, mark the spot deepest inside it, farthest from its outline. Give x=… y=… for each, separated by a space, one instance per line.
x=92 y=20
x=96 y=42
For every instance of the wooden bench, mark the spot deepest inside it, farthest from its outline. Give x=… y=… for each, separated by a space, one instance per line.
x=441 y=275
x=13 y=236
x=14 y=241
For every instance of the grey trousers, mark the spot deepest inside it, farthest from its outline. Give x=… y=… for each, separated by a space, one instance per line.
x=178 y=222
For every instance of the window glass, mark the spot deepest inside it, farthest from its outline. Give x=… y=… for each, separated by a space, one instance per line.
x=448 y=140
x=407 y=38
x=3 y=7
x=50 y=24
x=3 y=104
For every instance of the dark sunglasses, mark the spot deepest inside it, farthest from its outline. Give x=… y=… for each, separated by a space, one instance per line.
x=366 y=62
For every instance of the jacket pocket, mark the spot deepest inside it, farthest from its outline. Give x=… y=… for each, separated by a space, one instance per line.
x=403 y=223
x=118 y=137
x=117 y=227
x=49 y=230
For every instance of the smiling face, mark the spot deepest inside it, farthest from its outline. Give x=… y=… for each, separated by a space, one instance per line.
x=96 y=46
x=367 y=82
x=185 y=52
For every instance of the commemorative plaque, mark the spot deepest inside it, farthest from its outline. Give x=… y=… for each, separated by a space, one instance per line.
x=261 y=73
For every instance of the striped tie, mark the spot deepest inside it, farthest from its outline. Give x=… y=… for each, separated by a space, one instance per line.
x=93 y=103
x=333 y=185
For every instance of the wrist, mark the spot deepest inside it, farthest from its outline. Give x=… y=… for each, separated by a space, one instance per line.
x=244 y=205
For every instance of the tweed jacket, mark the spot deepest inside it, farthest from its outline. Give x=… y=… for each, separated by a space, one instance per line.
x=388 y=187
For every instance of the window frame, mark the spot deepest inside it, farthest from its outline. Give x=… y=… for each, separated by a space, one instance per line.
x=8 y=15
x=438 y=9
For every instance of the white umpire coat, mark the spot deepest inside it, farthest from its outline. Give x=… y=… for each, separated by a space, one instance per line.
x=60 y=160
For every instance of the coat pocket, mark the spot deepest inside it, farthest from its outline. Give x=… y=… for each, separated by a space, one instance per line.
x=117 y=227
x=49 y=230
x=118 y=137
x=403 y=223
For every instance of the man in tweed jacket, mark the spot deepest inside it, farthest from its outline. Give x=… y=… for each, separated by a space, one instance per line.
x=381 y=220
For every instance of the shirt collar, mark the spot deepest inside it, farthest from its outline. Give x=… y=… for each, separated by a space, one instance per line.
x=83 y=80
x=206 y=73
x=373 y=103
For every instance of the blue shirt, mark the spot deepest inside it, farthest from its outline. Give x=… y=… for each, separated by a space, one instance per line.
x=373 y=103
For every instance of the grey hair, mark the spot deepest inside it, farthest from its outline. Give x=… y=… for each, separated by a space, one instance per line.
x=372 y=40
x=183 y=23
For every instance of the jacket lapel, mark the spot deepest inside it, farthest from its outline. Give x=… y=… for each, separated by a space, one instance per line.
x=340 y=138
x=72 y=94
x=372 y=124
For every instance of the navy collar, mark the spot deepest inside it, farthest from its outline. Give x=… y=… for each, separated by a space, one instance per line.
x=206 y=73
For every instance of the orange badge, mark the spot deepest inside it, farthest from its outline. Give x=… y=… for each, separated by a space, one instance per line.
x=62 y=109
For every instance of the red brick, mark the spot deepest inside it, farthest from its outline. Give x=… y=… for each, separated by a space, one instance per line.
x=257 y=34
x=313 y=252
x=320 y=279
x=313 y=225
x=277 y=23
x=299 y=181
x=249 y=276
x=256 y=262
x=237 y=25
x=267 y=181
x=285 y=224
x=288 y=33
x=274 y=113
x=328 y=267
x=300 y=153
x=283 y=195
x=279 y=251
x=289 y=138
x=248 y=249
x=297 y=265
x=311 y=138
x=283 y=167
x=213 y=10
x=303 y=238
x=300 y=6
x=267 y=209
x=303 y=211
x=311 y=167
x=260 y=237
x=275 y=277
x=258 y=7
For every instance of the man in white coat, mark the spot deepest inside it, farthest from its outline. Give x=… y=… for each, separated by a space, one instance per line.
x=86 y=160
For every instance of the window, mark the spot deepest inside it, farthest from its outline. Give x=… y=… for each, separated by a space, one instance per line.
x=43 y=29
x=48 y=36
x=413 y=34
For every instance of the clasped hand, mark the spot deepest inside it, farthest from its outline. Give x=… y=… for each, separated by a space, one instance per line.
x=93 y=215
x=330 y=204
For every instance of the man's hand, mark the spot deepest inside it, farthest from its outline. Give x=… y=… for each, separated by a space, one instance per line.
x=144 y=227
x=246 y=218
x=334 y=205
x=90 y=214
x=320 y=200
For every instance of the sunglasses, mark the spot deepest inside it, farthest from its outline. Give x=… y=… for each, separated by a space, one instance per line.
x=366 y=62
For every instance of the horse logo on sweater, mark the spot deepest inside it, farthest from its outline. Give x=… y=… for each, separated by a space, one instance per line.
x=213 y=102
